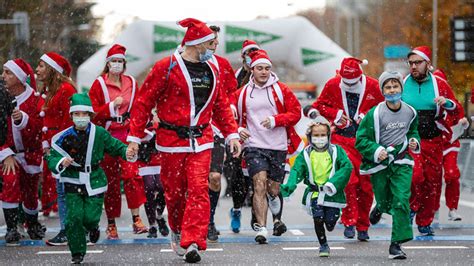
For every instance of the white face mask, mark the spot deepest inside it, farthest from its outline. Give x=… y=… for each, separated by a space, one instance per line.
x=319 y=142
x=116 y=67
x=81 y=121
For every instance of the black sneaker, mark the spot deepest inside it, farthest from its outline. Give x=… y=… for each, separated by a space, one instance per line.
x=94 y=235
x=77 y=258
x=59 y=240
x=36 y=231
x=152 y=232
x=396 y=252
x=253 y=221
x=192 y=254
x=212 y=233
x=363 y=236
x=163 y=227
x=279 y=228
x=12 y=238
x=375 y=216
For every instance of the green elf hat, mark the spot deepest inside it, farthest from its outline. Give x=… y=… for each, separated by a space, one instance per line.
x=80 y=102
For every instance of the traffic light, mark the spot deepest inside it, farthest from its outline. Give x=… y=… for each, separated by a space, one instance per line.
x=462 y=39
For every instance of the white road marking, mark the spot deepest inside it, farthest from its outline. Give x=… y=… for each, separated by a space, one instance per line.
x=309 y=248
x=57 y=252
x=297 y=232
x=435 y=247
x=209 y=249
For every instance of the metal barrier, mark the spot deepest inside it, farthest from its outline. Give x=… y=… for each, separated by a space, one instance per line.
x=466 y=163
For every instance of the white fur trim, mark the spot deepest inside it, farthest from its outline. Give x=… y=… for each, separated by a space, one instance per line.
x=377 y=153
x=83 y=108
x=405 y=161
x=121 y=56
x=261 y=61
x=248 y=47
x=24 y=121
x=350 y=81
x=338 y=117
x=272 y=121
x=232 y=136
x=200 y=40
x=52 y=63
x=418 y=148
x=58 y=164
x=149 y=135
x=449 y=108
x=198 y=148
x=240 y=129
x=45 y=144
x=365 y=62
x=112 y=110
x=42 y=114
x=451 y=149
x=330 y=189
x=234 y=111
x=16 y=69
x=149 y=170
x=5 y=153
x=31 y=212
x=313 y=111
x=423 y=55
x=134 y=139
x=10 y=205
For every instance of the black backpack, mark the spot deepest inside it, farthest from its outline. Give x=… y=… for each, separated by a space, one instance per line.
x=6 y=108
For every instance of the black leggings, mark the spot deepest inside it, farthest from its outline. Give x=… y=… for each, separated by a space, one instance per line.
x=155 y=197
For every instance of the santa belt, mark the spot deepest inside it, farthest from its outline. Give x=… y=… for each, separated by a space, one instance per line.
x=85 y=169
x=120 y=119
x=183 y=131
x=315 y=188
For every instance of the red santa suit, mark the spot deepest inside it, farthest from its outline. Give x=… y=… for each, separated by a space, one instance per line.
x=332 y=104
x=102 y=95
x=185 y=161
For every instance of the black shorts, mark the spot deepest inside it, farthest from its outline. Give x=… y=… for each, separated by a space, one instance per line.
x=271 y=161
x=217 y=157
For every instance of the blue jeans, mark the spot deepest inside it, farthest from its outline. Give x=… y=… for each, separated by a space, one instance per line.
x=61 y=204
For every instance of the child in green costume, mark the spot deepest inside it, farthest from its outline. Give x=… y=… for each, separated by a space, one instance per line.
x=325 y=170
x=75 y=156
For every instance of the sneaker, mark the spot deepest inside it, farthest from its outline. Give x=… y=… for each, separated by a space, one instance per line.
x=395 y=252
x=253 y=221
x=163 y=227
x=176 y=244
x=324 y=250
x=453 y=215
x=77 y=258
x=363 y=236
x=426 y=230
x=59 y=240
x=112 y=232
x=192 y=254
x=412 y=216
x=152 y=232
x=12 y=238
x=279 y=228
x=139 y=227
x=94 y=235
x=36 y=231
x=375 y=216
x=235 y=220
x=262 y=234
x=349 y=232
x=212 y=233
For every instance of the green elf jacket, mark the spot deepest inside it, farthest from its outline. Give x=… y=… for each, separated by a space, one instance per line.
x=367 y=143
x=93 y=177
x=338 y=179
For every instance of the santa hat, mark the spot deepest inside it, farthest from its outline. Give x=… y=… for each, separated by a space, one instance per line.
x=259 y=57
x=80 y=102
x=424 y=52
x=440 y=73
x=116 y=51
x=57 y=62
x=23 y=71
x=351 y=69
x=197 y=32
x=249 y=44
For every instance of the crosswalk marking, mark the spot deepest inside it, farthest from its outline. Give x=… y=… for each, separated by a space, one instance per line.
x=209 y=249
x=58 y=252
x=435 y=247
x=297 y=232
x=309 y=248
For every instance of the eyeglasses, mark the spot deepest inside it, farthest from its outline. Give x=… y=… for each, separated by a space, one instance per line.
x=417 y=62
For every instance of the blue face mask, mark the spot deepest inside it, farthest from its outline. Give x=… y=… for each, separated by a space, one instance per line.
x=205 y=56
x=393 y=98
x=248 y=60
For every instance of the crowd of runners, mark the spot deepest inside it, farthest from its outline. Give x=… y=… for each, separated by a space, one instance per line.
x=193 y=120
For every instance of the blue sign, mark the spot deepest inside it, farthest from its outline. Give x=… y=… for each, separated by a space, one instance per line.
x=396 y=51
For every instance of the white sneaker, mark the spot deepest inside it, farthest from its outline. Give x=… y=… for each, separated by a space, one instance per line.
x=453 y=215
x=175 y=244
x=262 y=234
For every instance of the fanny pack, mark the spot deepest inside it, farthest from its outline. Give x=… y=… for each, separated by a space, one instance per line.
x=185 y=132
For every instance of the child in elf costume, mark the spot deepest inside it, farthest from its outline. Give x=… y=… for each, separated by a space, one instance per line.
x=75 y=156
x=384 y=136
x=325 y=169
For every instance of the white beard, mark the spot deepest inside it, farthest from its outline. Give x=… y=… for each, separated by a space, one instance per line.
x=357 y=88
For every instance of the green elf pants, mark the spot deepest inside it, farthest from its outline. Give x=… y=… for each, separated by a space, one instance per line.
x=83 y=213
x=392 y=191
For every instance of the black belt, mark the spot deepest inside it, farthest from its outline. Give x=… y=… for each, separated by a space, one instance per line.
x=315 y=188
x=85 y=169
x=120 y=119
x=185 y=132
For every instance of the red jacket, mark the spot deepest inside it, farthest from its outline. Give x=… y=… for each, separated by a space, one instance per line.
x=104 y=106
x=56 y=115
x=332 y=102
x=168 y=88
x=289 y=113
x=24 y=140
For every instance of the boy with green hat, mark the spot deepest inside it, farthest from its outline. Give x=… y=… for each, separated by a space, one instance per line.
x=75 y=156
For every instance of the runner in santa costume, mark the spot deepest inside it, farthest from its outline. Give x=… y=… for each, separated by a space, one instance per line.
x=385 y=135
x=451 y=147
x=75 y=157
x=112 y=95
x=54 y=72
x=187 y=93
x=345 y=100
x=267 y=113
x=430 y=96
x=21 y=155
